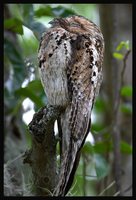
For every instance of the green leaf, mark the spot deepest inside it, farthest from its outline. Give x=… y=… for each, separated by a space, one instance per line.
x=118 y=56
x=53 y=12
x=126 y=108
x=14 y=24
x=101 y=166
x=87 y=148
x=35 y=85
x=126 y=91
x=123 y=44
x=25 y=92
x=62 y=11
x=125 y=148
x=102 y=147
x=76 y=189
x=97 y=127
x=44 y=11
x=100 y=105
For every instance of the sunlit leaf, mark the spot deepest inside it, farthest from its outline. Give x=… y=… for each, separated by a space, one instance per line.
x=14 y=24
x=35 y=85
x=123 y=44
x=125 y=147
x=118 y=56
x=25 y=92
x=126 y=91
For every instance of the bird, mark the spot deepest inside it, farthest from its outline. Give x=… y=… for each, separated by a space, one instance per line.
x=70 y=57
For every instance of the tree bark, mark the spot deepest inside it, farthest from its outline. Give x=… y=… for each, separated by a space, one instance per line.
x=42 y=155
x=112 y=84
x=116 y=26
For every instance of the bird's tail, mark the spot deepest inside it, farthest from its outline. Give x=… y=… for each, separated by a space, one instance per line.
x=68 y=169
x=71 y=154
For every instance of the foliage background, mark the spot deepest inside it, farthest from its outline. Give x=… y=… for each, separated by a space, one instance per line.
x=23 y=95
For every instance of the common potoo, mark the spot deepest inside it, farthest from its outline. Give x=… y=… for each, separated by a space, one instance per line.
x=70 y=63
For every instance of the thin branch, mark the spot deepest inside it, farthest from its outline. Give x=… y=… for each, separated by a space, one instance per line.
x=13 y=160
x=124 y=66
x=118 y=98
x=107 y=188
x=128 y=188
x=124 y=191
x=116 y=128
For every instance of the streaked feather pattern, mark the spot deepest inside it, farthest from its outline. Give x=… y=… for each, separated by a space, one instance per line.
x=71 y=55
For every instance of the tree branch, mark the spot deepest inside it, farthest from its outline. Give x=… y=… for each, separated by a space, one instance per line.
x=42 y=156
x=116 y=129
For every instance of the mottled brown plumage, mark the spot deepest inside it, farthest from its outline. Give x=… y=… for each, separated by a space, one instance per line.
x=70 y=58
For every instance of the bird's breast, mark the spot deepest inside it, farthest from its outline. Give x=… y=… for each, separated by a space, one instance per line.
x=53 y=74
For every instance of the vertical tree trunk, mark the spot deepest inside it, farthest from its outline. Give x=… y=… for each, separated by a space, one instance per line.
x=111 y=84
x=116 y=27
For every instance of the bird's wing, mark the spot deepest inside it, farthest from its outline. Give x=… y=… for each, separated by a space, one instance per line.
x=82 y=76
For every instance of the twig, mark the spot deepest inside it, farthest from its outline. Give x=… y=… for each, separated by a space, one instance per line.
x=11 y=161
x=127 y=189
x=116 y=129
x=124 y=66
x=107 y=188
x=121 y=81
x=117 y=194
